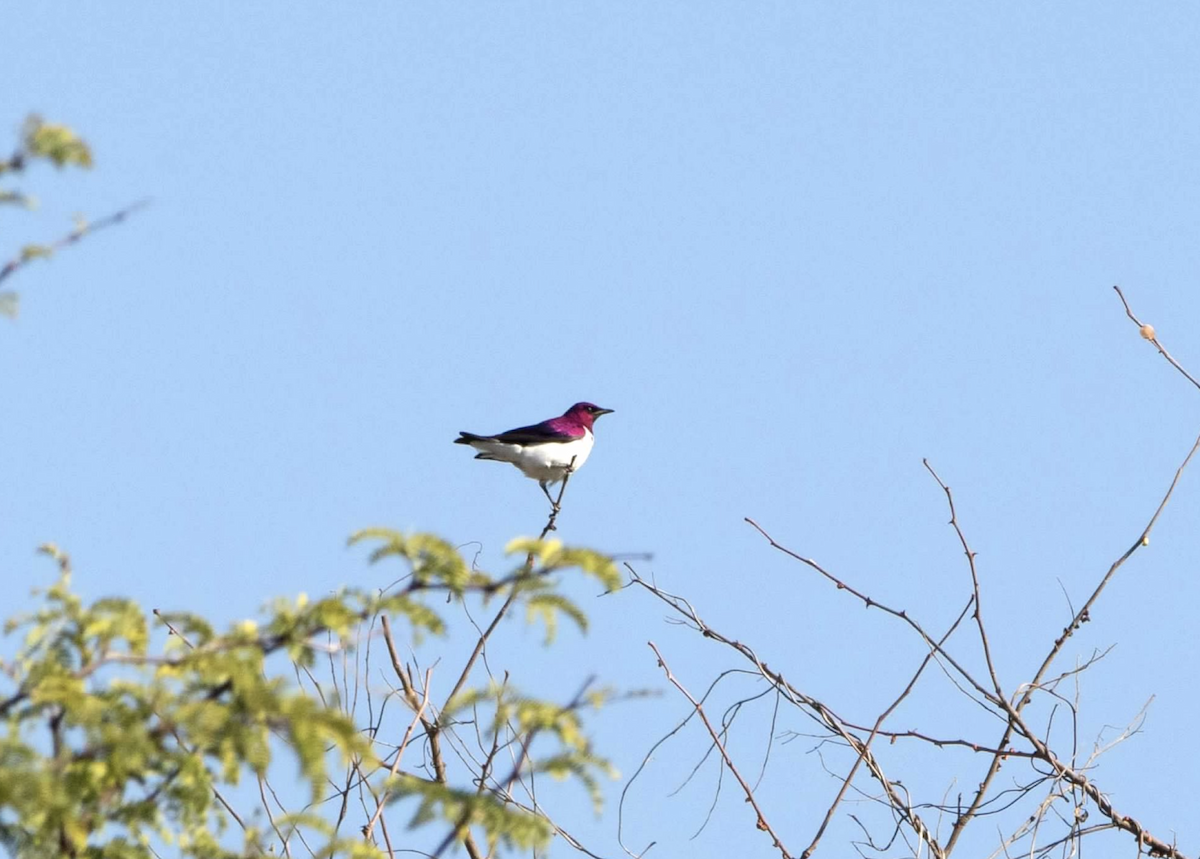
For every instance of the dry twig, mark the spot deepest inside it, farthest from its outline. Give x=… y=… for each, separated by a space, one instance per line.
x=762 y=820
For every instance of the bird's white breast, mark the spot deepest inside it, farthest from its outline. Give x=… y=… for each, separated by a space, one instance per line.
x=547 y=462
x=551 y=461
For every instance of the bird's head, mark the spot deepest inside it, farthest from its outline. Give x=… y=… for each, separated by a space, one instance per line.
x=586 y=413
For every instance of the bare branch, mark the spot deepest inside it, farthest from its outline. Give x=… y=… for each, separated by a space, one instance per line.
x=806 y=703
x=974 y=600
x=871 y=602
x=23 y=259
x=762 y=820
x=1147 y=332
x=978 y=613
x=370 y=827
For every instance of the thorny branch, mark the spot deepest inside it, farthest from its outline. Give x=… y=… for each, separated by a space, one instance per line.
x=1067 y=778
x=871 y=602
x=762 y=819
x=1083 y=616
x=875 y=729
x=821 y=713
x=978 y=613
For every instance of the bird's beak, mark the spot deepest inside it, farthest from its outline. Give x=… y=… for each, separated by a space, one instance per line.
x=600 y=412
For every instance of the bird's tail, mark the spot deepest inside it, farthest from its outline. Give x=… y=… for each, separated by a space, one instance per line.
x=468 y=437
x=471 y=438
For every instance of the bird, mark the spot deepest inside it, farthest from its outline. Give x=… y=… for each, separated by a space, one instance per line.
x=546 y=452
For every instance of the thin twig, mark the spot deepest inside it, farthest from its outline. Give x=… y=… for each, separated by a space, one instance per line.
x=871 y=602
x=762 y=820
x=974 y=600
x=21 y=260
x=370 y=827
x=806 y=703
x=175 y=733
x=978 y=613
x=1157 y=847
x=1153 y=338
x=1084 y=613
x=506 y=786
x=528 y=569
x=267 y=807
x=432 y=730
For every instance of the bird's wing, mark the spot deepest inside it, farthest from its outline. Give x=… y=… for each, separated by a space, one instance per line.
x=541 y=433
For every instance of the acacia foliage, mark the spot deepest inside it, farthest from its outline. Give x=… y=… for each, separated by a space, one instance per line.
x=51 y=143
x=123 y=732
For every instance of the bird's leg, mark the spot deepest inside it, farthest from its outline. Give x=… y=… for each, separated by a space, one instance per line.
x=562 y=487
x=556 y=503
x=549 y=497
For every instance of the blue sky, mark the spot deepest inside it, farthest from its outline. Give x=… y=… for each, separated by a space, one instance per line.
x=796 y=247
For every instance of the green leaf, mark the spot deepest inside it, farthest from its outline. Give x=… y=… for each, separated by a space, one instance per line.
x=15 y=198
x=432 y=559
x=551 y=555
x=107 y=746
x=56 y=143
x=510 y=826
x=548 y=606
